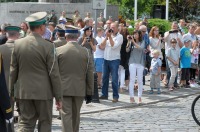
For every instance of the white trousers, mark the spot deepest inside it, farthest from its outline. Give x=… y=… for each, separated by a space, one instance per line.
x=133 y=69
x=121 y=76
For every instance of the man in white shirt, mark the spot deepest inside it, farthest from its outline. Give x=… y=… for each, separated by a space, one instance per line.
x=173 y=33
x=191 y=35
x=112 y=44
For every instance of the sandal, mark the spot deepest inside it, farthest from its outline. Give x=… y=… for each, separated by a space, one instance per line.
x=132 y=100
x=171 y=89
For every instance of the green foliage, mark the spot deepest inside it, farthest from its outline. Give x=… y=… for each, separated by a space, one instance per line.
x=130 y=31
x=163 y=25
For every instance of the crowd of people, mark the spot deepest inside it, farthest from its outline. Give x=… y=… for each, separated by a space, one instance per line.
x=58 y=60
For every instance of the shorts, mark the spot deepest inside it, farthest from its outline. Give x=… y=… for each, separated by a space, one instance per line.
x=185 y=73
x=98 y=62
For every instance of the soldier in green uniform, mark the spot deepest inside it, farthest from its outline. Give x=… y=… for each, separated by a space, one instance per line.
x=5 y=107
x=12 y=33
x=60 y=35
x=34 y=65
x=76 y=70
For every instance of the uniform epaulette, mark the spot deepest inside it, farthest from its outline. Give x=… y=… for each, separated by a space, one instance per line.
x=48 y=40
x=9 y=110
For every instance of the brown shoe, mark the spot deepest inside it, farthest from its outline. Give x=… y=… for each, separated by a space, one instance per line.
x=115 y=100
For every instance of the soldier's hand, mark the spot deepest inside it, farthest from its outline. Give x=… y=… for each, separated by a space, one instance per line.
x=58 y=105
x=88 y=99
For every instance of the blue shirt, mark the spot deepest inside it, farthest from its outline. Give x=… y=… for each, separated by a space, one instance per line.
x=155 y=64
x=146 y=40
x=185 y=56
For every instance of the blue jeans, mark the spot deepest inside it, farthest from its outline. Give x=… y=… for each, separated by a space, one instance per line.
x=110 y=67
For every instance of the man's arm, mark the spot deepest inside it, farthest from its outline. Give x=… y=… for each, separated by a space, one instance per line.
x=14 y=69
x=53 y=70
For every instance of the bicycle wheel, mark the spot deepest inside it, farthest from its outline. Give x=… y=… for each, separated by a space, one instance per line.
x=196 y=110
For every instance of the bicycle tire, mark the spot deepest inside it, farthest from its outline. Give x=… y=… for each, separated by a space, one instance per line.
x=193 y=110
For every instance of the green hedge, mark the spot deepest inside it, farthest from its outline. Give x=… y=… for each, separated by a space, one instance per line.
x=162 y=24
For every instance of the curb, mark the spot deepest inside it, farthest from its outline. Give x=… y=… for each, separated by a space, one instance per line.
x=136 y=105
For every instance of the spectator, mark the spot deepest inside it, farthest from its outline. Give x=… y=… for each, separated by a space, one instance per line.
x=112 y=44
x=155 y=41
x=87 y=40
x=128 y=24
x=182 y=26
x=101 y=18
x=63 y=17
x=191 y=35
x=88 y=22
x=47 y=34
x=185 y=62
x=98 y=56
x=173 y=56
x=110 y=18
x=136 y=26
x=3 y=37
x=24 y=29
x=136 y=63
x=51 y=27
x=76 y=17
x=147 y=57
x=80 y=24
x=194 y=63
x=173 y=33
x=123 y=67
x=155 y=70
x=52 y=17
x=197 y=33
x=107 y=26
x=88 y=15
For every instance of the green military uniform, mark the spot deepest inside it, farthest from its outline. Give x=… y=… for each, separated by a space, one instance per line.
x=61 y=40
x=6 y=51
x=77 y=81
x=34 y=65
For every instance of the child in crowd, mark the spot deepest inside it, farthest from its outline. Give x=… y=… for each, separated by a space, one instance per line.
x=194 y=63
x=98 y=56
x=185 y=62
x=155 y=71
x=173 y=56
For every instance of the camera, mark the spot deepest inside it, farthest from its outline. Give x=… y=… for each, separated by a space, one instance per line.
x=129 y=37
x=173 y=31
x=88 y=39
x=110 y=31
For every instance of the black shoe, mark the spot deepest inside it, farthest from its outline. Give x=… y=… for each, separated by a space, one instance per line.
x=103 y=97
x=59 y=117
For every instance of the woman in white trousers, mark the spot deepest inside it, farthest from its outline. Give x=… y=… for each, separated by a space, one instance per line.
x=136 y=48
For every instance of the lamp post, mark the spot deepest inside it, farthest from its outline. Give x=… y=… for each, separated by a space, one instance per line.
x=135 y=10
x=167 y=10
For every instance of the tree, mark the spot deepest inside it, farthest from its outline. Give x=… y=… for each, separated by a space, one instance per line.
x=178 y=8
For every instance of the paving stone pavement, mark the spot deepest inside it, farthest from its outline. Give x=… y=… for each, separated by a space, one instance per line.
x=168 y=116
x=167 y=112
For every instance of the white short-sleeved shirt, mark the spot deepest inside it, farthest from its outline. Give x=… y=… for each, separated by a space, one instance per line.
x=153 y=46
x=195 y=56
x=171 y=36
x=113 y=53
x=99 y=53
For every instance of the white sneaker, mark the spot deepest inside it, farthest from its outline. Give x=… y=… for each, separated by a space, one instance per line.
x=192 y=85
